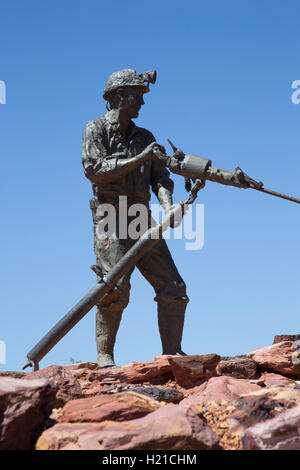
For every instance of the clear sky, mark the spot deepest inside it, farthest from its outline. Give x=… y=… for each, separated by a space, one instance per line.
x=223 y=91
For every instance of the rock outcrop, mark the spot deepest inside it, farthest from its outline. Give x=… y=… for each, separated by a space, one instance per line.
x=171 y=403
x=282 y=356
x=24 y=409
x=238 y=367
x=68 y=386
x=120 y=406
x=218 y=389
x=189 y=370
x=279 y=433
x=169 y=427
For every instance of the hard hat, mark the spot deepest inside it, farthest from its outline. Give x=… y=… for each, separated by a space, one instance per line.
x=128 y=77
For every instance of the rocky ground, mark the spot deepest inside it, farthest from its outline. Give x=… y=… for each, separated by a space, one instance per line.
x=207 y=402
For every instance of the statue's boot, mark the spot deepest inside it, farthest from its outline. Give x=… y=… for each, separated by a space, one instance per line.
x=107 y=325
x=170 y=323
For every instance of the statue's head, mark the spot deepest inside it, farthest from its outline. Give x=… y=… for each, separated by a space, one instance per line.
x=125 y=90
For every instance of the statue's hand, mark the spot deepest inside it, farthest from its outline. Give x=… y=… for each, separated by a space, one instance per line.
x=150 y=151
x=160 y=153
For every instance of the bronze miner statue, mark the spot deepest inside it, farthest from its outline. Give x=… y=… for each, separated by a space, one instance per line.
x=123 y=161
x=118 y=158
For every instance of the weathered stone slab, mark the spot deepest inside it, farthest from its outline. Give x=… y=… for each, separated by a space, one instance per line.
x=270 y=379
x=282 y=357
x=24 y=409
x=170 y=427
x=218 y=389
x=68 y=386
x=92 y=378
x=189 y=369
x=240 y=368
x=279 y=433
x=120 y=406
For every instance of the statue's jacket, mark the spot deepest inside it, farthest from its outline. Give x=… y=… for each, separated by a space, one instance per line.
x=103 y=145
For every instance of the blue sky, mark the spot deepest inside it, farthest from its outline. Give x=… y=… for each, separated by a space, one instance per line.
x=223 y=91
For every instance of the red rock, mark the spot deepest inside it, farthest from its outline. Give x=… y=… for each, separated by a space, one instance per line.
x=156 y=372
x=287 y=393
x=164 y=356
x=280 y=357
x=24 y=408
x=280 y=338
x=90 y=390
x=279 y=433
x=255 y=409
x=117 y=407
x=192 y=390
x=82 y=370
x=68 y=386
x=13 y=374
x=270 y=379
x=83 y=365
x=190 y=369
x=170 y=427
x=261 y=405
x=240 y=368
x=220 y=389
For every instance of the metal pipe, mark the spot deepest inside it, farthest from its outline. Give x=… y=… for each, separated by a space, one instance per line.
x=94 y=295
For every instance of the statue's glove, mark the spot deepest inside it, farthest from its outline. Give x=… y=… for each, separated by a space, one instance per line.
x=173 y=161
x=150 y=151
x=160 y=152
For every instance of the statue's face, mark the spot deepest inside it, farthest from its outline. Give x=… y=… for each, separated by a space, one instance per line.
x=132 y=100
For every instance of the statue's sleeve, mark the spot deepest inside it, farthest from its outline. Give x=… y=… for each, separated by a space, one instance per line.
x=98 y=164
x=160 y=176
